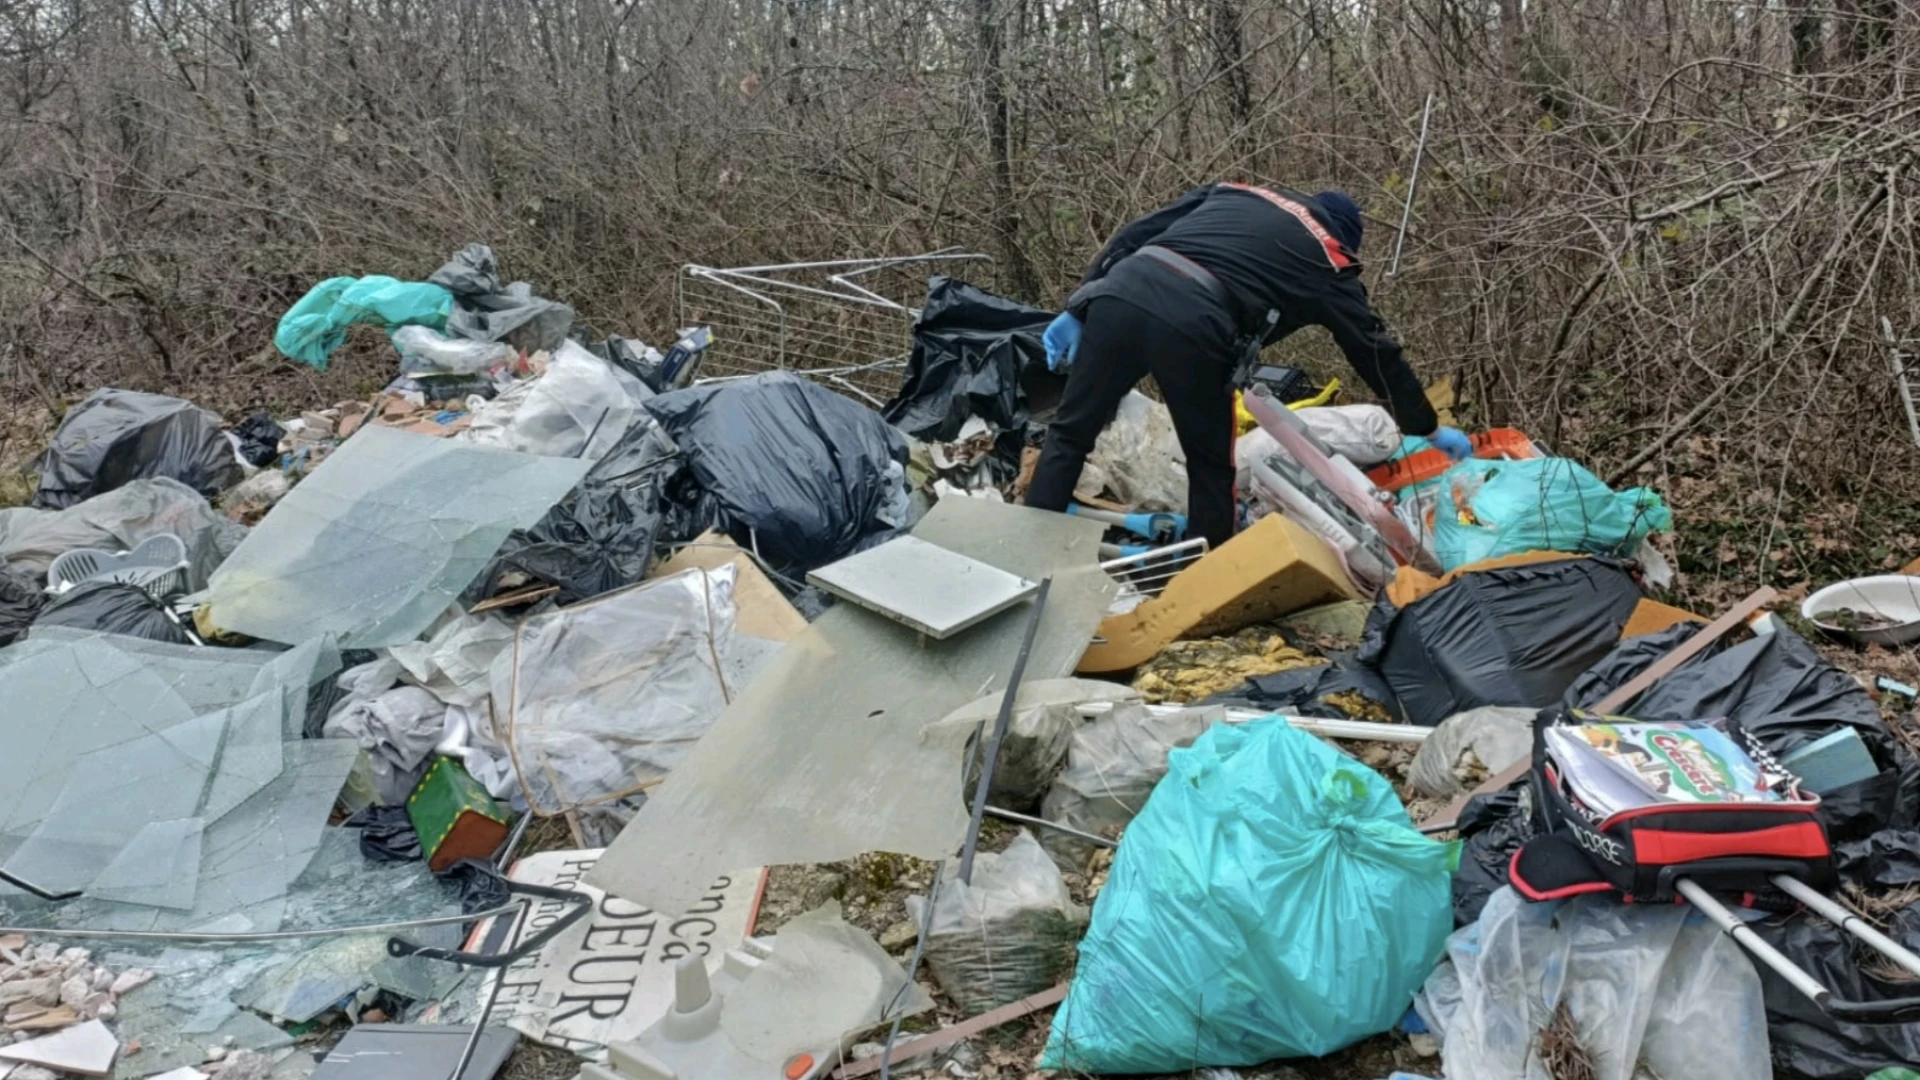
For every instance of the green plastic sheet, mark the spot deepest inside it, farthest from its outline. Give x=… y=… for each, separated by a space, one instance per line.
x=317 y=324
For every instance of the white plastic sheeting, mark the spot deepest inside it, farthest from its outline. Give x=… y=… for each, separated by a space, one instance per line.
x=1363 y=434
x=375 y=544
x=1009 y=933
x=600 y=700
x=578 y=409
x=1138 y=458
x=455 y=662
x=1654 y=991
x=1498 y=735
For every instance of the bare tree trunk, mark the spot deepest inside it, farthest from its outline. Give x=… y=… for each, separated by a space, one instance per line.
x=1806 y=34
x=1230 y=53
x=1006 y=216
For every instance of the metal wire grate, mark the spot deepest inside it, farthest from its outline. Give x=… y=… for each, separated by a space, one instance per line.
x=846 y=322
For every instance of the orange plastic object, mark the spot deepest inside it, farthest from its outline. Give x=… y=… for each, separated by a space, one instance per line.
x=799 y=1066
x=1415 y=468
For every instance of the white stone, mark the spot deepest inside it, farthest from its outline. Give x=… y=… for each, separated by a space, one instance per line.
x=75 y=991
x=131 y=979
x=102 y=979
x=26 y=990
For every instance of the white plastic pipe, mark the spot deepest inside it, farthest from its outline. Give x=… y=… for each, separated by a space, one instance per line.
x=1737 y=929
x=1847 y=920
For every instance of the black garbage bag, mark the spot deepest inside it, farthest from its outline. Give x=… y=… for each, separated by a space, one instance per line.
x=1806 y=1041
x=972 y=353
x=259 y=439
x=481 y=885
x=1493 y=826
x=1304 y=691
x=792 y=470
x=116 y=436
x=601 y=536
x=632 y=356
x=325 y=694
x=1776 y=685
x=386 y=834
x=109 y=607
x=485 y=310
x=20 y=600
x=1779 y=688
x=1511 y=635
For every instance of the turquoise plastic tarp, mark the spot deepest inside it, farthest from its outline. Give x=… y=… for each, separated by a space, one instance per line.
x=316 y=325
x=1272 y=900
x=1538 y=504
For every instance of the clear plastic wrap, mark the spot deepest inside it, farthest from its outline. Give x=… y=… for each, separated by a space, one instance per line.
x=1008 y=934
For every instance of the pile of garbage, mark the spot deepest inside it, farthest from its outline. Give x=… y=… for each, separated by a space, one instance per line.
x=405 y=729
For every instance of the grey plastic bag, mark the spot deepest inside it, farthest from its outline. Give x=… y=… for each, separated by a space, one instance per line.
x=1497 y=735
x=1111 y=769
x=1010 y=933
x=1039 y=734
x=31 y=539
x=484 y=310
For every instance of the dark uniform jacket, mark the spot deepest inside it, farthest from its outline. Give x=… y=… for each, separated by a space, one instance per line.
x=1258 y=251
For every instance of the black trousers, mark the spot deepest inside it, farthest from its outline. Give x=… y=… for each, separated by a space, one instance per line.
x=1120 y=345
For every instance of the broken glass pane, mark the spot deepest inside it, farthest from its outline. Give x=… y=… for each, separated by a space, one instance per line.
x=165 y=1031
x=159 y=867
x=72 y=696
x=316 y=980
x=251 y=757
x=836 y=748
x=381 y=537
x=113 y=793
x=249 y=857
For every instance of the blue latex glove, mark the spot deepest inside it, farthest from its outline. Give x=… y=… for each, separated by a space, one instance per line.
x=1062 y=340
x=1453 y=441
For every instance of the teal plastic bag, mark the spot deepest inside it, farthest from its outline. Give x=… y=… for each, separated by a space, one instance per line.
x=1538 y=504
x=1272 y=900
x=316 y=325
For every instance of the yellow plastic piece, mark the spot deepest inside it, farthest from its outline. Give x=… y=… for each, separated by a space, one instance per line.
x=1244 y=422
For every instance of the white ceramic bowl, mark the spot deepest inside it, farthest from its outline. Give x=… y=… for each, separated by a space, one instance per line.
x=1891 y=596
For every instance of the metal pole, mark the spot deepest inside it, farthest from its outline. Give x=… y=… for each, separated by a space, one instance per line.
x=1413 y=180
x=1028 y=819
x=1847 y=920
x=1739 y=931
x=1000 y=732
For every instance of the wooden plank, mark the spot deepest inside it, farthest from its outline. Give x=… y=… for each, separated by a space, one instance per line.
x=1686 y=651
x=1447 y=816
x=947 y=1036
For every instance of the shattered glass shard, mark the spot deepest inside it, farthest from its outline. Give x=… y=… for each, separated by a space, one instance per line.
x=381 y=537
